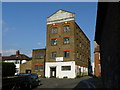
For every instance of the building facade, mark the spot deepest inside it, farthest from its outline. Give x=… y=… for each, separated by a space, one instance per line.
x=17 y=59
x=97 y=66
x=38 y=61
x=107 y=35
x=67 y=47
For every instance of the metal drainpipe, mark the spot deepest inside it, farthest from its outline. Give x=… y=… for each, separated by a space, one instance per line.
x=44 y=63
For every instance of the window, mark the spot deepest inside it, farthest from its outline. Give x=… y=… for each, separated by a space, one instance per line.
x=53 y=54
x=66 y=54
x=42 y=55
x=80 y=57
x=54 y=30
x=39 y=55
x=66 y=28
x=77 y=55
x=41 y=67
x=66 y=68
x=36 y=67
x=66 y=40
x=16 y=61
x=53 y=41
x=80 y=44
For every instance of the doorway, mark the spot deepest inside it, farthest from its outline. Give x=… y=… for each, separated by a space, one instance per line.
x=52 y=72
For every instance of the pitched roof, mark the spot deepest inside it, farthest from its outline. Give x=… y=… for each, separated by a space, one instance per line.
x=61 y=10
x=60 y=15
x=16 y=57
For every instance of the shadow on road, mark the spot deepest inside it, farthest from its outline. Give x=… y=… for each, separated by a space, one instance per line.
x=88 y=83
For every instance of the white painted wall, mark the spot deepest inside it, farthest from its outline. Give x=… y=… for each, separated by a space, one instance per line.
x=59 y=72
x=93 y=66
x=60 y=16
x=83 y=70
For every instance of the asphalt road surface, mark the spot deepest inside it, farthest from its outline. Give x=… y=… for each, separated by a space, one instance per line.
x=84 y=82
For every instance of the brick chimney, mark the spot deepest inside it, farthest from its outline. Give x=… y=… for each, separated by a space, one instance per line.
x=17 y=53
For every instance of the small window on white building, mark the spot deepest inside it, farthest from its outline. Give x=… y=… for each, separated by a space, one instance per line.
x=66 y=40
x=66 y=28
x=66 y=54
x=54 y=30
x=66 y=68
x=16 y=61
x=53 y=54
x=53 y=41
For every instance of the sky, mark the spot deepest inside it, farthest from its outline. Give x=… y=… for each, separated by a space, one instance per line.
x=24 y=23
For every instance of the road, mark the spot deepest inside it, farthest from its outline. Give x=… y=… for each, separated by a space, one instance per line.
x=84 y=82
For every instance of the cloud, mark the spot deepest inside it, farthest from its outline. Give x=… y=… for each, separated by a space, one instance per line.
x=39 y=43
x=30 y=55
x=5 y=27
x=10 y=51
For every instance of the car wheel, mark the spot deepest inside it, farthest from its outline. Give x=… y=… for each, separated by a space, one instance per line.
x=39 y=83
x=16 y=87
x=30 y=86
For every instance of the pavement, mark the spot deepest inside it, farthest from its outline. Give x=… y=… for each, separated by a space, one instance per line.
x=83 y=82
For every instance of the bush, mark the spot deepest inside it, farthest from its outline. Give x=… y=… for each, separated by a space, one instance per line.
x=8 y=69
x=43 y=77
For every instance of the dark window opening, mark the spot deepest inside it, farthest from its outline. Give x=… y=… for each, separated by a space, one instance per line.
x=66 y=28
x=54 y=30
x=53 y=54
x=66 y=68
x=66 y=54
x=53 y=41
x=66 y=40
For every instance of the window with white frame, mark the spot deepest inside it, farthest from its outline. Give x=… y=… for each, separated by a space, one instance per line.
x=66 y=28
x=53 y=41
x=66 y=54
x=53 y=54
x=66 y=40
x=54 y=30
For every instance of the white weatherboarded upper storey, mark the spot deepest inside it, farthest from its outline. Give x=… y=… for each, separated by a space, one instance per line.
x=60 y=16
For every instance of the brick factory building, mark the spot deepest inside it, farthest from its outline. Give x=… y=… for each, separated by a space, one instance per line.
x=67 y=52
x=67 y=47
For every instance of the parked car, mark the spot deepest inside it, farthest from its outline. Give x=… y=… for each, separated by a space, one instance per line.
x=32 y=80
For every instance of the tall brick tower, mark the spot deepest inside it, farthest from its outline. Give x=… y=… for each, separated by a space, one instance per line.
x=67 y=47
x=97 y=69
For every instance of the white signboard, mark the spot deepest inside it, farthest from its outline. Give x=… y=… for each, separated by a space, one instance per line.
x=59 y=58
